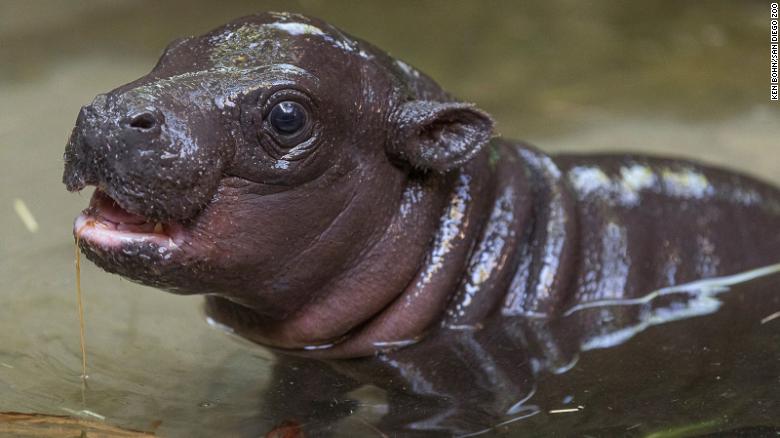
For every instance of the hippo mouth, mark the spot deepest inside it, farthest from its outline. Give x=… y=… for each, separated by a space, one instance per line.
x=106 y=224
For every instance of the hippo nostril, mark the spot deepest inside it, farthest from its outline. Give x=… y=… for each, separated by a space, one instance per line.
x=143 y=121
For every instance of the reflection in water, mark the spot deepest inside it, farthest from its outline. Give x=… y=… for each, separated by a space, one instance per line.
x=497 y=377
x=662 y=306
x=13 y=424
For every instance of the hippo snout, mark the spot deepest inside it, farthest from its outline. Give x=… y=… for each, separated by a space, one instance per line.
x=78 y=169
x=146 y=153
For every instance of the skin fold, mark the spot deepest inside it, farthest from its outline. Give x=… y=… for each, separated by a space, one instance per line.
x=391 y=212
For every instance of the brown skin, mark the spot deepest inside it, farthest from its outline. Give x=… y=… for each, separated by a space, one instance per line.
x=389 y=211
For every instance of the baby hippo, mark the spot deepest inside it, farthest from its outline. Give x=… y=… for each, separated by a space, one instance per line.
x=331 y=201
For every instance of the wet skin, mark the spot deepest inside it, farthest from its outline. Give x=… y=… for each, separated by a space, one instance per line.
x=333 y=202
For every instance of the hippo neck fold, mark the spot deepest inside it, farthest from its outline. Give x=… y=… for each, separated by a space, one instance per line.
x=422 y=300
x=547 y=257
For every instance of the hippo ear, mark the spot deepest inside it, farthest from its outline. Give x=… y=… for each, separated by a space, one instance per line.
x=439 y=136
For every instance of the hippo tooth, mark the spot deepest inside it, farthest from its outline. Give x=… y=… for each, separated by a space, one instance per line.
x=158 y=228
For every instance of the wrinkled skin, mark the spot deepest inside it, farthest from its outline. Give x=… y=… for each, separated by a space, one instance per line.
x=391 y=212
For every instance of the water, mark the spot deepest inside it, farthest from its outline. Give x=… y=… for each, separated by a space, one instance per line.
x=685 y=79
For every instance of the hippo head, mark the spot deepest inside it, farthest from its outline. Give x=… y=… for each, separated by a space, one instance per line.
x=259 y=161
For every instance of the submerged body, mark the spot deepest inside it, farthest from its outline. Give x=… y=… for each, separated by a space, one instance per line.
x=333 y=202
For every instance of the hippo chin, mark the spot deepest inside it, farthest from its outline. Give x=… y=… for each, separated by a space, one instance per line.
x=332 y=201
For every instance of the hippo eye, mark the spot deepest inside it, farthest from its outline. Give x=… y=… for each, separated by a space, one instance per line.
x=286 y=126
x=288 y=117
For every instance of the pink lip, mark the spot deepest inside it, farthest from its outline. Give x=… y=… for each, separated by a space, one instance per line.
x=106 y=224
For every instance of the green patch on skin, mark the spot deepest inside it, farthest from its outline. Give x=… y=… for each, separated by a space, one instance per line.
x=240 y=46
x=686 y=431
x=494 y=156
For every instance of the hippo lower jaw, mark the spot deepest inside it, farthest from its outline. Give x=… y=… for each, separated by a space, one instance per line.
x=106 y=225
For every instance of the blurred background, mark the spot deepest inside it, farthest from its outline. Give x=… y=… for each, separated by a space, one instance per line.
x=687 y=79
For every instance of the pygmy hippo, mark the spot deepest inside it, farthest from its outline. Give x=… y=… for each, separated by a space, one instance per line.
x=332 y=201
